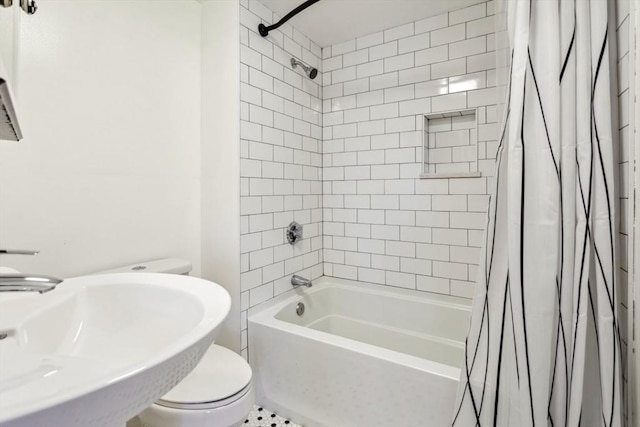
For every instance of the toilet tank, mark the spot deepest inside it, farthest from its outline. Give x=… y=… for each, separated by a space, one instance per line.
x=166 y=265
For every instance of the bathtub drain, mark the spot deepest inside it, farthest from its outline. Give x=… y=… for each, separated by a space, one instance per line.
x=300 y=309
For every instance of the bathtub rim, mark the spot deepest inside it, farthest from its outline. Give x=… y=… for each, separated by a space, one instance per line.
x=265 y=314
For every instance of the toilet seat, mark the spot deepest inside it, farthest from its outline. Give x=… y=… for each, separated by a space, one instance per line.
x=205 y=405
x=220 y=378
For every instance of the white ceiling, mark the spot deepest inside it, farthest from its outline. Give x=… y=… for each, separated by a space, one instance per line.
x=333 y=21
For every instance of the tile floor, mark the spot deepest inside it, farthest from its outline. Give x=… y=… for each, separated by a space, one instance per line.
x=260 y=417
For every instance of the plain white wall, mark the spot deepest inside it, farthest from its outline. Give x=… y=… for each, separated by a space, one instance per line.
x=9 y=22
x=109 y=170
x=220 y=157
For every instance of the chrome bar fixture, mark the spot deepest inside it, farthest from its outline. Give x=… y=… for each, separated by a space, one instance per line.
x=18 y=282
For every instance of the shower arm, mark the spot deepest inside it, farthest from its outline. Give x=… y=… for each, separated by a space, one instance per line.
x=264 y=30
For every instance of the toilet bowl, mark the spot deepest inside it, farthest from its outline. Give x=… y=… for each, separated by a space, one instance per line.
x=217 y=393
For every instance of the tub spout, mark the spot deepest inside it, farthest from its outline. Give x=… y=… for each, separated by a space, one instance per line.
x=297 y=281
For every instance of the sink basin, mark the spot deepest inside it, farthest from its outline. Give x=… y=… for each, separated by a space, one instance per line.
x=99 y=349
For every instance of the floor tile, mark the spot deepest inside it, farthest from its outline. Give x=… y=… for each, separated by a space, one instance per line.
x=260 y=417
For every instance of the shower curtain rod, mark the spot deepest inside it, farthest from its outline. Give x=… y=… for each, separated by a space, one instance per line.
x=264 y=30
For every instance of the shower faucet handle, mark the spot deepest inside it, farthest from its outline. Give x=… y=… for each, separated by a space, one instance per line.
x=294 y=233
x=18 y=252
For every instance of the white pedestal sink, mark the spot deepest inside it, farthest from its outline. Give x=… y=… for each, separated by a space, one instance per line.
x=97 y=350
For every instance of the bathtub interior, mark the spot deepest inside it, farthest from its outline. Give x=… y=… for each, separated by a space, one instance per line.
x=432 y=329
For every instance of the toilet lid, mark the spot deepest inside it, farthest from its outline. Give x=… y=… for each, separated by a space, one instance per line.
x=221 y=373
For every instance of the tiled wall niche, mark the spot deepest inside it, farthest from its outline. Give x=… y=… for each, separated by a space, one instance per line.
x=381 y=222
x=450 y=144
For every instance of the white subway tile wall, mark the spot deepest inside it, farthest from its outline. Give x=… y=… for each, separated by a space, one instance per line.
x=383 y=224
x=623 y=22
x=281 y=161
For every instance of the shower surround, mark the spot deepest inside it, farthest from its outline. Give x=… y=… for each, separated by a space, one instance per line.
x=342 y=154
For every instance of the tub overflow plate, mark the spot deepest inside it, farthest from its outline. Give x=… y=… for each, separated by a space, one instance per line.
x=300 y=309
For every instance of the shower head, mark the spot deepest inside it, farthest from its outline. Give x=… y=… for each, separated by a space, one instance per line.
x=309 y=70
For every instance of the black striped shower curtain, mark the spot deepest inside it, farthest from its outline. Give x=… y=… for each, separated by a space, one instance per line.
x=543 y=347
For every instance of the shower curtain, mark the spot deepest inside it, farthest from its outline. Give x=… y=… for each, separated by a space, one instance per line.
x=543 y=347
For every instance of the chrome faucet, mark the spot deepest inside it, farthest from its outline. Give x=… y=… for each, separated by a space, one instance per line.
x=17 y=282
x=297 y=281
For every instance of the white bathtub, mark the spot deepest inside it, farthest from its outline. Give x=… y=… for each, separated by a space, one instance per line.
x=361 y=355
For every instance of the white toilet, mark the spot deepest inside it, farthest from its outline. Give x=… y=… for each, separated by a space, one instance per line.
x=217 y=393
